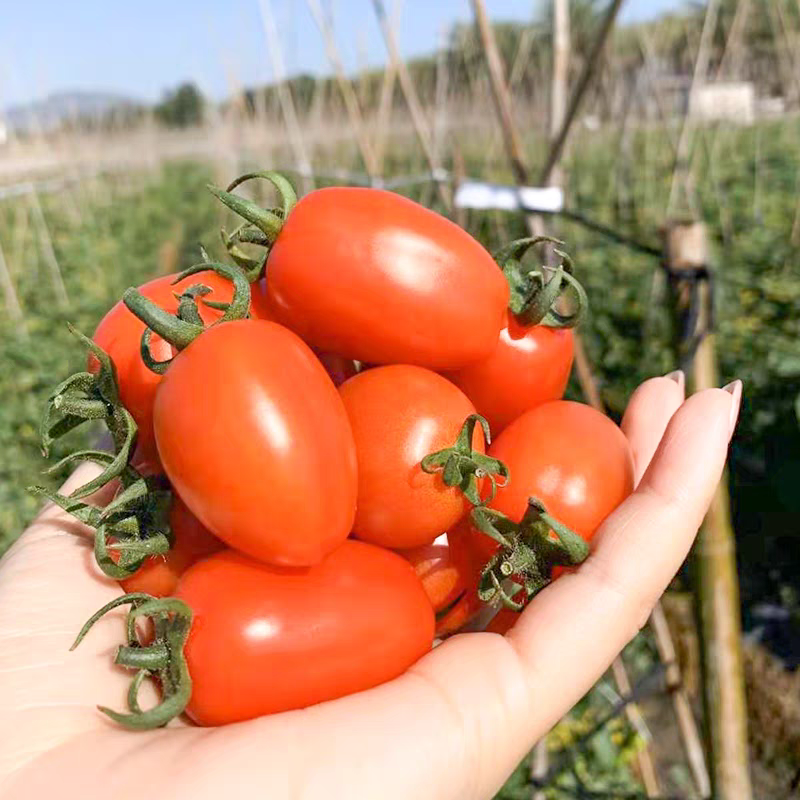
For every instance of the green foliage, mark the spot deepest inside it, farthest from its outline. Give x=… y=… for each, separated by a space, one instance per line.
x=115 y=246
x=181 y=107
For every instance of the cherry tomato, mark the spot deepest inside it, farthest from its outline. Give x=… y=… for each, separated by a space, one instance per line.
x=376 y=277
x=255 y=439
x=449 y=575
x=120 y=334
x=400 y=414
x=529 y=366
x=159 y=575
x=267 y=639
x=573 y=458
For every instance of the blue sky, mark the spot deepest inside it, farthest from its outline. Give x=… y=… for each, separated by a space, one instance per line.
x=140 y=48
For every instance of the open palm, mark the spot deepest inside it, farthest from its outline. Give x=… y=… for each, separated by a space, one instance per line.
x=454 y=726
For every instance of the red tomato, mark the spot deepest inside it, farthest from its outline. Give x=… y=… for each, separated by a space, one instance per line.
x=159 y=575
x=267 y=639
x=255 y=439
x=376 y=277
x=573 y=458
x=120 y=334
x=529 y=366
x=449 y=576
x=400 y=414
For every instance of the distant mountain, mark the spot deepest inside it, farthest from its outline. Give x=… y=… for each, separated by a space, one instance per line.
x=62 y=106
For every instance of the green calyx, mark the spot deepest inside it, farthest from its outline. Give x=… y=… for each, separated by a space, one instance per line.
x=528 y=552
x=261 y=226
x=135 y=524
x=535 y=294
x=464 y=467
x=162 y=658
x=183 y=328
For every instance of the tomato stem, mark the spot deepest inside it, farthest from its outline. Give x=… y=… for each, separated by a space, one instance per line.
x=162 y=658
x=267 y=223
x=528 y=552
x=135 y=523
x=535 y=294
x=181 y=329
x=462 y=466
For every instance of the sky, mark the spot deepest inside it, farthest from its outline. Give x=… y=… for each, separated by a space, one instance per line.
x=140 y=48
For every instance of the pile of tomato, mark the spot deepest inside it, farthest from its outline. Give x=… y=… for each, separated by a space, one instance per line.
x=308 y=495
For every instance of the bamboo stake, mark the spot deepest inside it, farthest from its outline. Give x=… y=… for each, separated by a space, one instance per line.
x=690 y=736
x=588 y=72
x=288 y=109
x=730 y=61
x=10 y=294
x=410 y=93
x=346 y=88
x=384 y=113
x=717 y=592
x=539 y=765
x=698 y=77
x=46 y=246
x=559 y=83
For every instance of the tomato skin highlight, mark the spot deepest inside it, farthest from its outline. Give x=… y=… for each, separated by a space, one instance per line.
x=255 y=439
x=529 y=366
x=570 y=456
x=120 y=334
x=376 y=277
x=267 y=639
x=399 y=414
x=159 y=575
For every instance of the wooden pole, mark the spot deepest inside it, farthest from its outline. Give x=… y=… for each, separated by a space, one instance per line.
x=46 y=246
x=410 y=93
x=584 y=80
x=288 y=109
x=560 y=82
x=680 y=172
x=690 y=736
x=346 y=88
x=717 y=588
x=13 y=307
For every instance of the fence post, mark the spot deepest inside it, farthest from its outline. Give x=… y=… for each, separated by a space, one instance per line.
x=717 y=586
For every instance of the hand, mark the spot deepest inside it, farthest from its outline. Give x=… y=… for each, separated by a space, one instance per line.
x=454 y=726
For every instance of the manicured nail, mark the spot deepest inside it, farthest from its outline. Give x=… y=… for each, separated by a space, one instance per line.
x=734 y=389
x=677 y=376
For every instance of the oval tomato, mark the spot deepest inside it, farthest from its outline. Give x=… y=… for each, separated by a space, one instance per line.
x=159 y=575
x=120 y=334
x=267 y=639
x=529 y=366
x=255 y=439
x=573 y=458
x=400 y=414
x=376 y=277
x=449 y=576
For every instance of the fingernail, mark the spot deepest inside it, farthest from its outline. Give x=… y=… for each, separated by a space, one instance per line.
x=734 y=389
x=677 y=376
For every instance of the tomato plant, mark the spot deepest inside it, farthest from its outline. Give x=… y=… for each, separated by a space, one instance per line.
x=400 y=414
x=572 y=458
x=293 y=638
x=255 y=439
x=159 y=574
x=529 y=366
x=374 y=276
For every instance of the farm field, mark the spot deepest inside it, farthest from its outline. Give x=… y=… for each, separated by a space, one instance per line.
x=747 y=188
